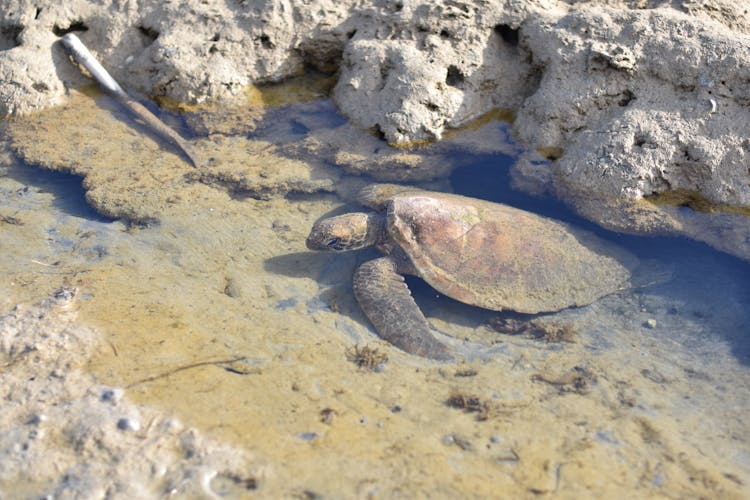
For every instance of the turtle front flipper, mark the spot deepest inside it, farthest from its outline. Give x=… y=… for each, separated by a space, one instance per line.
x=387 y=302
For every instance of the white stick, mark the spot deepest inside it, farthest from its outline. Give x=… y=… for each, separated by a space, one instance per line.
x=81 y=54
x=78 y=50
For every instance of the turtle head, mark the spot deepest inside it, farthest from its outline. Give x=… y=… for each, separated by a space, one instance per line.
x=347 y=232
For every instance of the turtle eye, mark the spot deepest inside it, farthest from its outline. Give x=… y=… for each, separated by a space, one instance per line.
x=334 y=243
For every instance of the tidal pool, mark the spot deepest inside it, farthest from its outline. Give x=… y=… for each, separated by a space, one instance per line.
x=207 y=306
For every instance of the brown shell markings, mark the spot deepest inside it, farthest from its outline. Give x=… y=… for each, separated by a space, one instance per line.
x=498 y=257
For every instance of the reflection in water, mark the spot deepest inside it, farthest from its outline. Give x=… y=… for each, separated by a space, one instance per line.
x=66 y=190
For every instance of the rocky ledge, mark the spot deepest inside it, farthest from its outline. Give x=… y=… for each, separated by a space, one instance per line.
x=640 y=107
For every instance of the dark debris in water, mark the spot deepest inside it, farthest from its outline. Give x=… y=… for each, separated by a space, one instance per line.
x=327 y=415
x=551 y=332
x=308 y=495
x=366 y=357
x=13 y=221
x=242 y=366
x=231 y=485
x=578 y=380
x=458 y=440
x=469 y=404
x=654 y=376
x=465 y=372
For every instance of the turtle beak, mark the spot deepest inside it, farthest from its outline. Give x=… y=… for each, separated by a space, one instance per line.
x=326 y=244
x=313 y=243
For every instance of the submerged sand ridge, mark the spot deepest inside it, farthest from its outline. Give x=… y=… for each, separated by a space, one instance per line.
x=202 y=304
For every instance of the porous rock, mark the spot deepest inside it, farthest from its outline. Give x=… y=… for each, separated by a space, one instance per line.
x=187 y=51
x=415 y=68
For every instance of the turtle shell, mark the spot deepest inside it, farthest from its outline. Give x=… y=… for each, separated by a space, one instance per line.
x=498 y=257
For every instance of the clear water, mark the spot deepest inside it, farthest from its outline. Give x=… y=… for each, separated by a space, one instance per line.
x=651 y=393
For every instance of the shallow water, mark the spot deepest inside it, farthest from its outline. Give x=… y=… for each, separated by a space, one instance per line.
x=210 y=307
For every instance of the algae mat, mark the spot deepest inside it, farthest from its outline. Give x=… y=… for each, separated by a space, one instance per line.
x=203 y=305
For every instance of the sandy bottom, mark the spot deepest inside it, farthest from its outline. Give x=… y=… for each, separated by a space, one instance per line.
x=202 y=350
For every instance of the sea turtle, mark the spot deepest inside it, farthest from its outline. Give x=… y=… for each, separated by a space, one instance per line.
x=478 y=252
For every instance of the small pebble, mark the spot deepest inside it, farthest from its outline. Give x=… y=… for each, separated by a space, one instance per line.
x=65 y=294
x=128 y=424
x=112 y=395
x=172 y=425
x=658 y=480
x=650 y=323
x=36 y=434
x=606 y=437
x=230 y=485
x=285 y=304
x=37 y=419
x=460 y=441
x=232 y=288
x=307 y=436
x=714 y=106
x=159 y=470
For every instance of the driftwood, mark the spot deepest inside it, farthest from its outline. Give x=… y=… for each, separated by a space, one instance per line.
x=82 y=56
